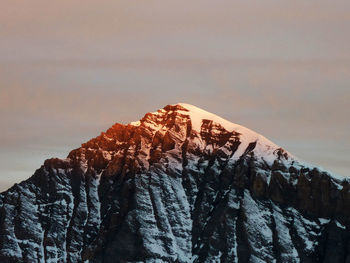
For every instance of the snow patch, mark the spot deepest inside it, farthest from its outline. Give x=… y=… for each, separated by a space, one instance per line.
x=264 y=149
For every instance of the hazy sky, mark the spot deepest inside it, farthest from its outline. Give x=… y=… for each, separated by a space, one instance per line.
x=70 y=69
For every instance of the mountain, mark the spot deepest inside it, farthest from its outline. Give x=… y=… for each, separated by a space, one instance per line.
x=180 y=185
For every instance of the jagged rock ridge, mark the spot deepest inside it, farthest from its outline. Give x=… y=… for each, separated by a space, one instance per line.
x=180 y=185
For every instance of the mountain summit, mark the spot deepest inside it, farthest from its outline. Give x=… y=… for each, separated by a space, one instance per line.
x=180 y=185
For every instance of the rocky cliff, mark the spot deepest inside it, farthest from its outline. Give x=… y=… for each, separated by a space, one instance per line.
x=180 y=185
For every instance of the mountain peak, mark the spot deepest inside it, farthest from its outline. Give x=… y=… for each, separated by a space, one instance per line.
x=197 y=115
x=250 y=141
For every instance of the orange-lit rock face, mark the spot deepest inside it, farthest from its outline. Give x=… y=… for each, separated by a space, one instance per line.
x=180 y=185
x=158 y=136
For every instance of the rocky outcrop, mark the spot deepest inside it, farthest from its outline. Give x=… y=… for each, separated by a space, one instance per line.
x=166 y=189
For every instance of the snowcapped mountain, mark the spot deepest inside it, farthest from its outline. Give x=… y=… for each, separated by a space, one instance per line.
x=180 y=185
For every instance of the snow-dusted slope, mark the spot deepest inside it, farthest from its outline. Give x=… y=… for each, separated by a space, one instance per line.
x=264 y=149
x=180 y=185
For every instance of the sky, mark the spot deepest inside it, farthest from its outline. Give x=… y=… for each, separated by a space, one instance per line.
x=71 y=69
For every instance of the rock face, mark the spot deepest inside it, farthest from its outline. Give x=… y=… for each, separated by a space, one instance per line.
x=180 y=185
